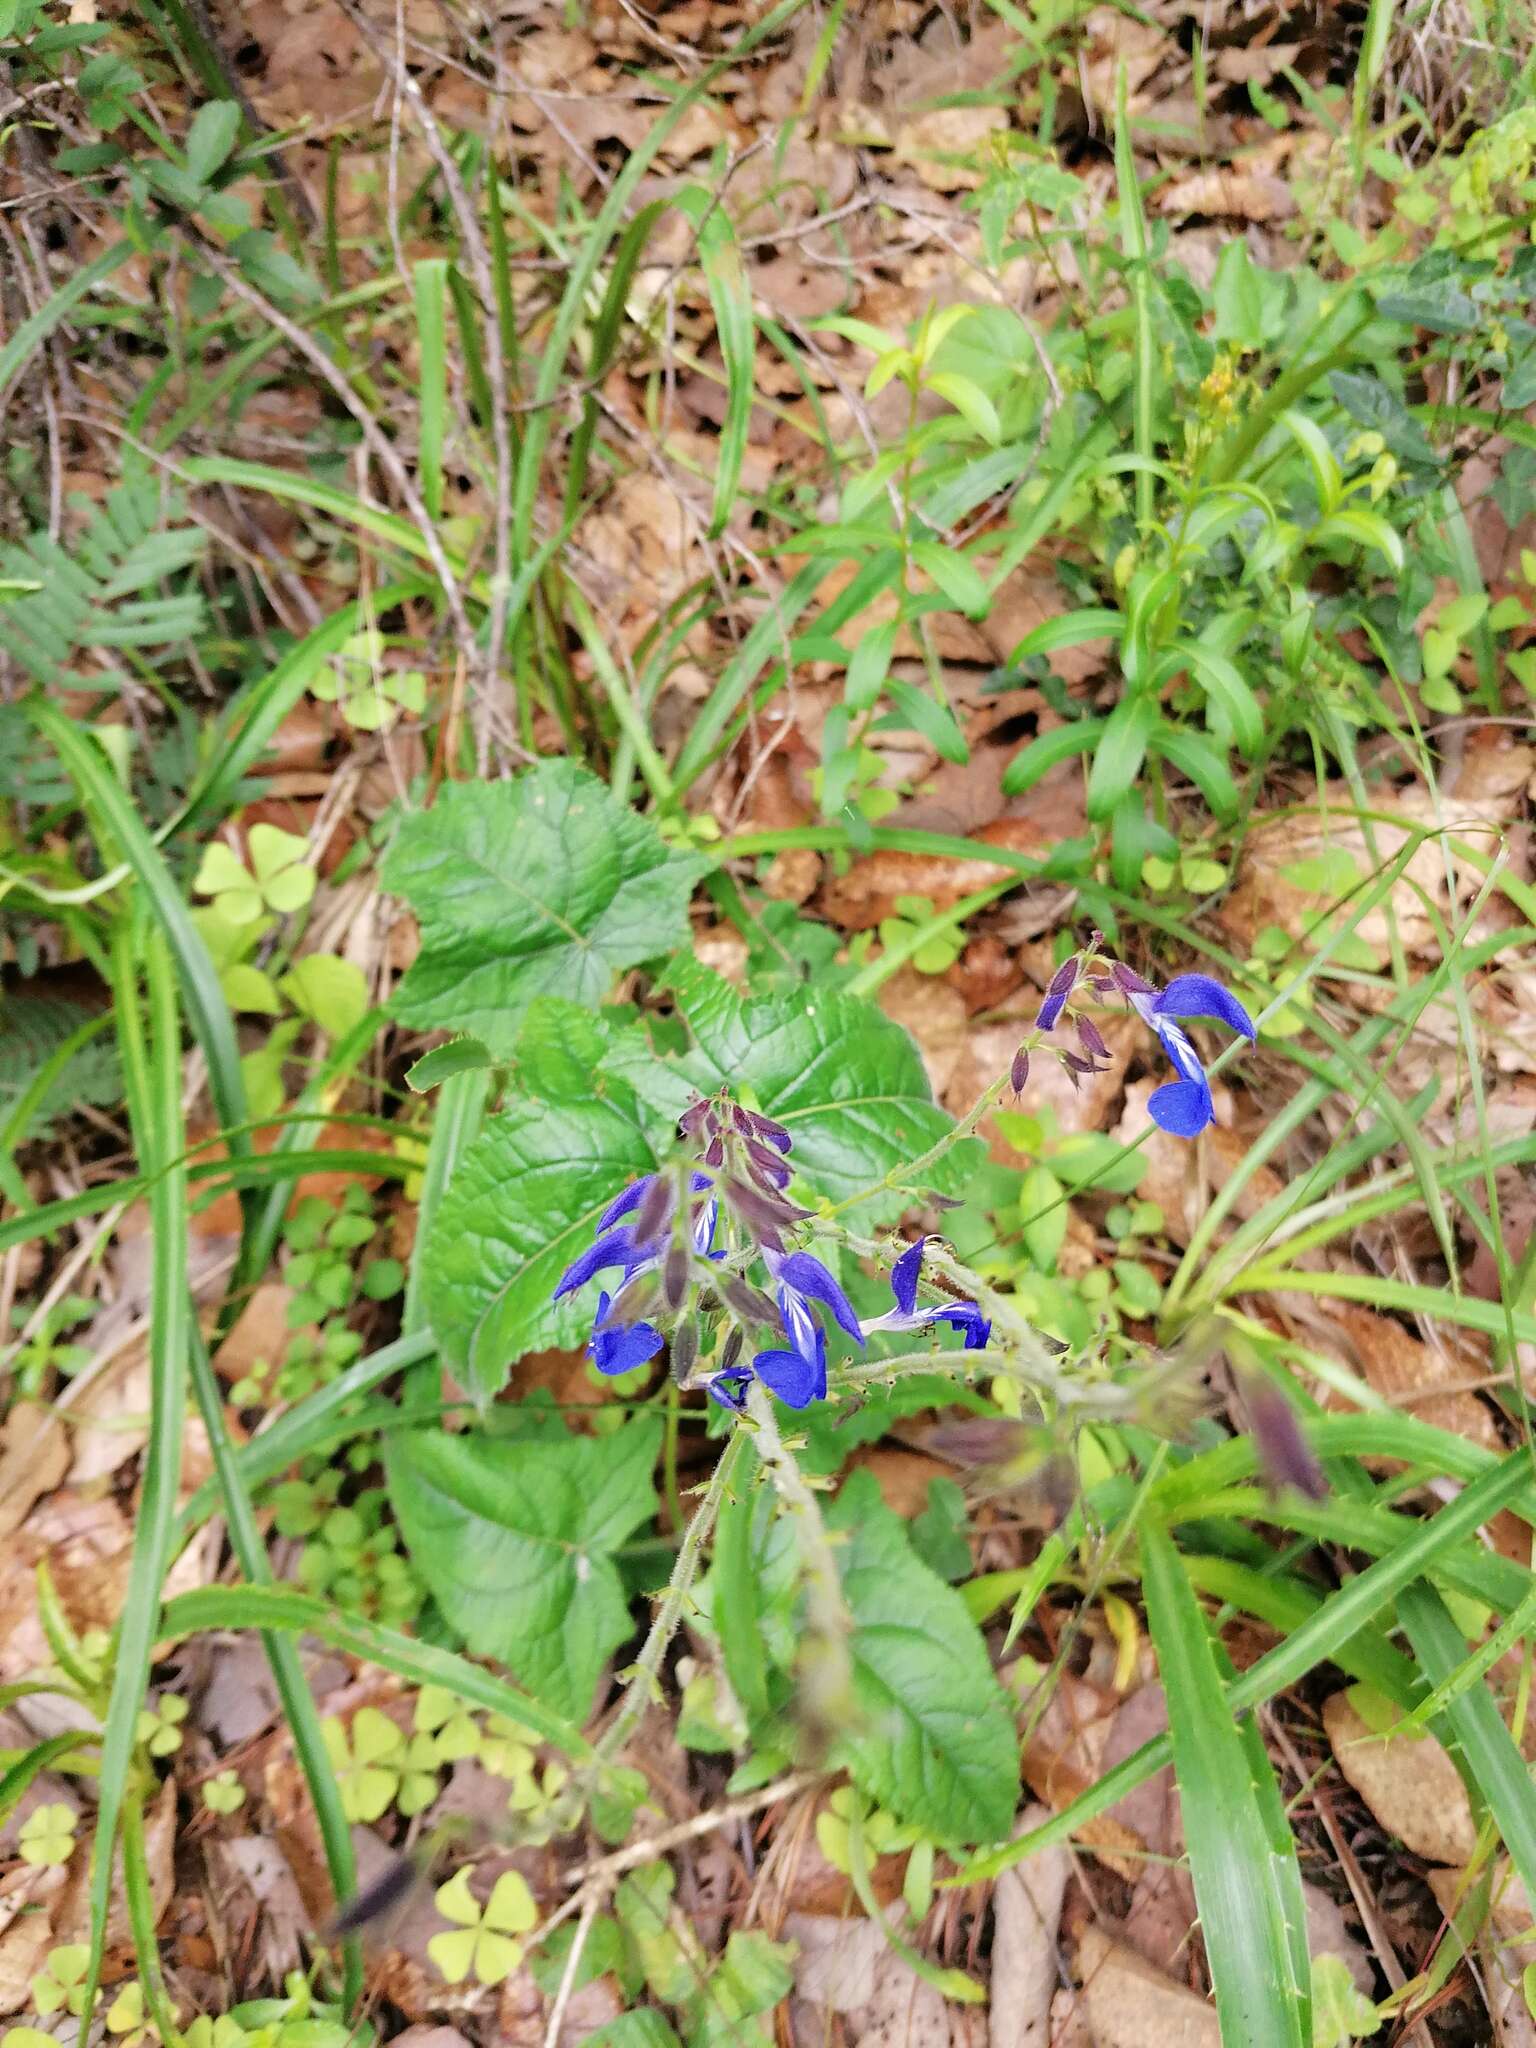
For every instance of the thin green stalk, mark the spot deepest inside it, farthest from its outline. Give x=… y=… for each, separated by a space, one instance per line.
x=824 y=1663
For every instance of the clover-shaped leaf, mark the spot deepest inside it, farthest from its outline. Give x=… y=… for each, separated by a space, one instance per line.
x=278 y=879
x=48 y=1834
x=457 y=1732
x=505 y=1751
x=367 y=1763
x=127 y=2019
x=418 y=1775
x=224 y=1793
x=368 y=695
x=159 y=1727
x=480 y=1943
x=60 y=1984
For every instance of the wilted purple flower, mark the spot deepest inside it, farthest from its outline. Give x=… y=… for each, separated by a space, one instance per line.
x=906 y=1315
x=1183 y=1107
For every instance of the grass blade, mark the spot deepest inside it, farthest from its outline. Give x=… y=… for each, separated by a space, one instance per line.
x=720 y=260
x=1481 y=1745
x=1247 y=1885
x=431 y=281
x=1313 y=1642
x=151 y=1050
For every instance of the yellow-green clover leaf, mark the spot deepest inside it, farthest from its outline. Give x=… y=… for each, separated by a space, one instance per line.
x=60 y=1984
x=418 y=1775
x=368 y=695
x=127 y=2019
x=48 y=1834
x=481 y=1941
x=224 y=1793
x=278 y=878
x=367 y=1764
x=159 y=1727
x=457 y=1732
x=27 y=2037
x=505 y=1750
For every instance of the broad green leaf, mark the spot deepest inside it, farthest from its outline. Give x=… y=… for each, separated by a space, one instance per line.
x=1121 y=749
x=542 y=886
x=1069 y=629
x=1238 y=293
x=1370 y=403
x=924 y=713
x=515 y=1540
x=868 y=666
x=955 y=574
x=524 y=1202
x=845 y=1081
x=934 y=1741
x=970 y=401
x=1368 y=529
x=458 y=1056
x=1441 y=306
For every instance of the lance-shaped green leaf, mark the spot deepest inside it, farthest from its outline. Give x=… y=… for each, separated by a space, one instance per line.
x=542 y=886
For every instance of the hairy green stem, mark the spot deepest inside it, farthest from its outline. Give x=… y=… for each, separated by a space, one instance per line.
x=824 y=1665
x=647 y=1666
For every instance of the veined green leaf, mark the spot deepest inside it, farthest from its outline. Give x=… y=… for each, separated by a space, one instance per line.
x=541 y=886
x=516 y=1541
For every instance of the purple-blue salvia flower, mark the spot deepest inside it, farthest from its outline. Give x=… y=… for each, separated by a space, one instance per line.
x=1184 y=1107
x=620 y=1347
x=906 y=1315
x=614 y=1247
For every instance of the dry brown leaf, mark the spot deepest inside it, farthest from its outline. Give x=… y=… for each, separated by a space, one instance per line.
x=1026 y=1913
x=1485 y=795
x=1410 y=1375
x=34 y=1457
x=934 y=1015
x=859 y=899
x=1410 y=1785
x=947 y=147
x=1131 y=2005
x=1229 y=194
x=29 y=1900
x=1113 y=42
x=835 y=1969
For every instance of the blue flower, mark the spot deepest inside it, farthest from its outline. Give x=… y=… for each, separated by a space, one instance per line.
x=906 y=1315
x=617 y=1346
x=620 y=1347
x=796 y=1370
x=619 y=1248
x=1184 y=1107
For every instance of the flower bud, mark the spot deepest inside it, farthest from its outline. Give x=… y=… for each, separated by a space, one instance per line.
x=1018 y=1073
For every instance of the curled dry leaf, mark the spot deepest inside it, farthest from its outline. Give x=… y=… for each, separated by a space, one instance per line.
x=1228 y=193
x=1408 y=1782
